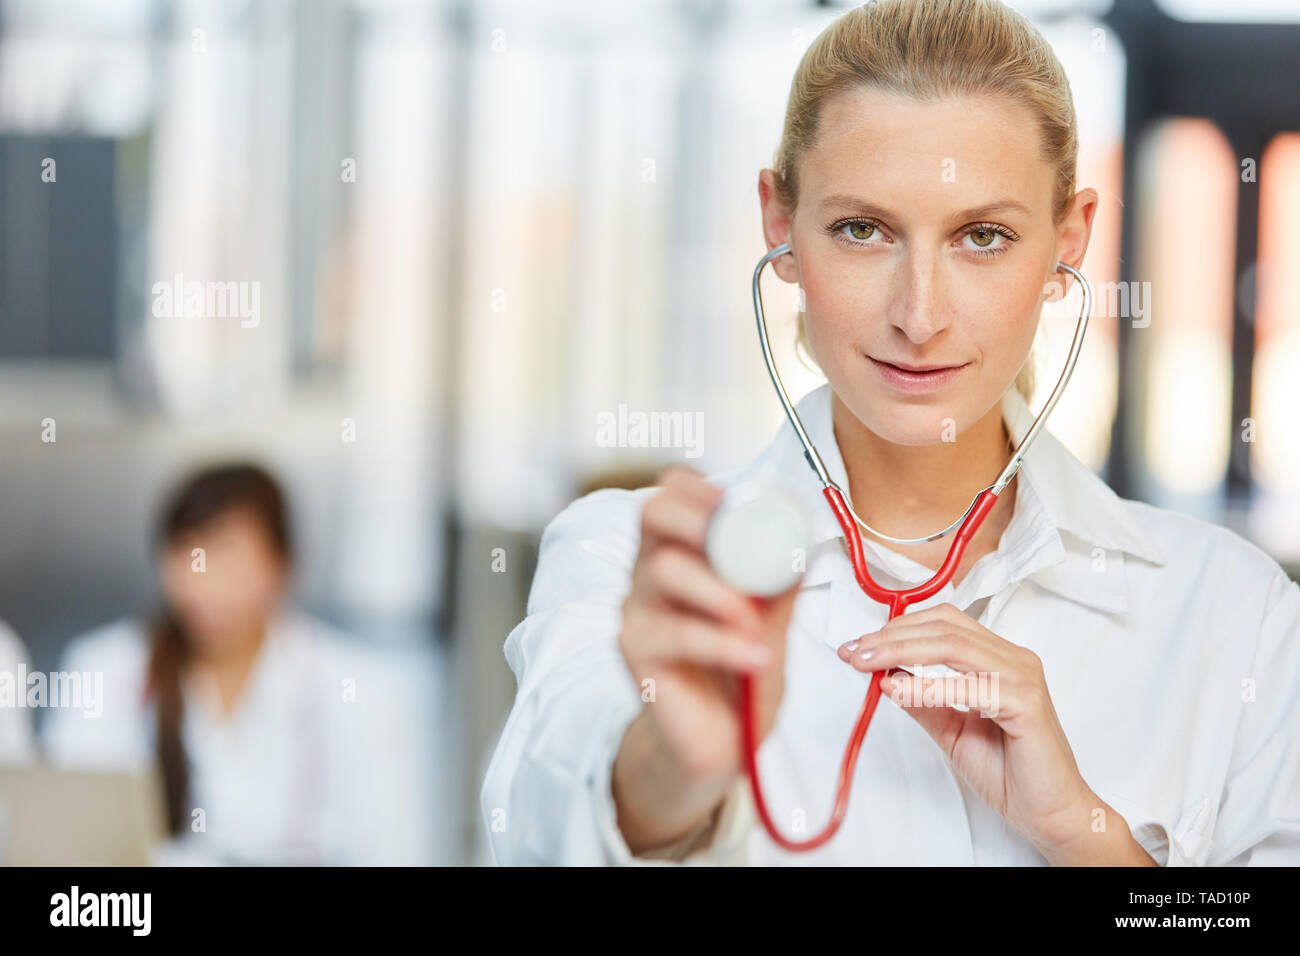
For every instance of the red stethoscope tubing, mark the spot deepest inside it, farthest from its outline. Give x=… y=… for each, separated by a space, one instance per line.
x=898 y=602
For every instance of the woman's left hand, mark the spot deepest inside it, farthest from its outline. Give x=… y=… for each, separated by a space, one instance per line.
x=1016 y=757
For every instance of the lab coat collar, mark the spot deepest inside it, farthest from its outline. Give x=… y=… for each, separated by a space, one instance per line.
x=1055 y=493
x=1076 y=499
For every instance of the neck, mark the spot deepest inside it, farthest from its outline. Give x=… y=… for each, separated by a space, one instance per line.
x=238 y=647
x=230 y=668
x=910 y=491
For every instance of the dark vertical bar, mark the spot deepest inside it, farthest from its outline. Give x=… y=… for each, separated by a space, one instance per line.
x=1138 y=108
x=1237 y=489
x=461 y=24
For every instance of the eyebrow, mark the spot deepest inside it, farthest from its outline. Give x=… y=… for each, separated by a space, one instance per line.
x=978 y=212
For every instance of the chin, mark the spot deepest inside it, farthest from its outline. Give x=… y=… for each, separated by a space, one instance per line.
x=906 y=422
x=929 y=434
x=206 y=631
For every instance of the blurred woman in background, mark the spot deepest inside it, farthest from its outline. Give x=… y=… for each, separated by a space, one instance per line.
x=247 y=706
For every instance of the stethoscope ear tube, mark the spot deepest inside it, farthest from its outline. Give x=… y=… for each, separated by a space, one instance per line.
x=809 y=450
x=1076 y=346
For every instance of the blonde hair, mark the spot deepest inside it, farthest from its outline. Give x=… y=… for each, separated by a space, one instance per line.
x=932 y=50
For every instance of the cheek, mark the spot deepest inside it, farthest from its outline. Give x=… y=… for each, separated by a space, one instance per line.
x=179 y=582
x=1002 y=336
x=1010 y=327
x=256 y=576
x=998 y=312
x=837 y=308
x=247 y=585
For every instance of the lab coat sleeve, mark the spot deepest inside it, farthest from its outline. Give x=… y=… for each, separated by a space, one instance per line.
x=1258 y=821
x=546 y=796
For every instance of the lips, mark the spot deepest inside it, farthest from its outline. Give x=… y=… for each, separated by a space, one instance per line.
x=916 y=379
x=903 y=366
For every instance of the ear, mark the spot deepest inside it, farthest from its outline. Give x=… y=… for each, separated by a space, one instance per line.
x=776 y=226
x=1072 y=242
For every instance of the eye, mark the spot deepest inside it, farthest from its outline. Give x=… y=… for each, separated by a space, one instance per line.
x=985 y=237
x=855 y=232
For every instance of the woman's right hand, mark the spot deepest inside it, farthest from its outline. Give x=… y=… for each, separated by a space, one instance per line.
x=686 y=636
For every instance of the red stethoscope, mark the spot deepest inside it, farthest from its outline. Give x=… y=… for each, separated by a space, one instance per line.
x=898 y=601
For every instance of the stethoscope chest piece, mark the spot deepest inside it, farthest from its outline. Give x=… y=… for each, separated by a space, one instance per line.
x=758 y=539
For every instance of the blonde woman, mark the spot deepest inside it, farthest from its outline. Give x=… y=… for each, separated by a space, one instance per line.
x=1146 y=661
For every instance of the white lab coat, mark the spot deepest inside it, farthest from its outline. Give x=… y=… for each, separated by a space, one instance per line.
x=310 y=767
x=1171 y=648
x=17 y=744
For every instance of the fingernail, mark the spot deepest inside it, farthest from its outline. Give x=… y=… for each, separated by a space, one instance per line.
x=852 y=646
x=759 y=655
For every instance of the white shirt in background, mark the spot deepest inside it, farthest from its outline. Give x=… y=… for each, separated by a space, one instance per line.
x=17 y=744
x=1171 y=648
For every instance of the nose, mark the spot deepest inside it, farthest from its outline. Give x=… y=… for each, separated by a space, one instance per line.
x=919 y=303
